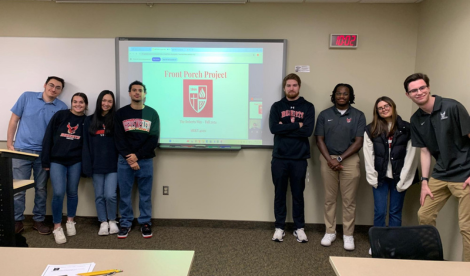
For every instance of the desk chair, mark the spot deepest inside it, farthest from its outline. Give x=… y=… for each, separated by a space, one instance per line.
x=408 y=242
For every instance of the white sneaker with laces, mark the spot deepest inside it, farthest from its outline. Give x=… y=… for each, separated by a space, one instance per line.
x=113 y=228
x=59 y=236
x=348 y=242
x=278 y=235
x=104 y=231
x=300 y=235
x=328 y=239
x=71 y=231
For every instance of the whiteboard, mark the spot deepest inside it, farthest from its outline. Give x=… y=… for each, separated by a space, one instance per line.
x=86 y=64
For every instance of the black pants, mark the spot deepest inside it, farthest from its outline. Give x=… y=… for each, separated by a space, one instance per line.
x=282 y=171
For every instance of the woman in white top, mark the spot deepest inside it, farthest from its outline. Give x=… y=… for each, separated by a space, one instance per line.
x=390 y=161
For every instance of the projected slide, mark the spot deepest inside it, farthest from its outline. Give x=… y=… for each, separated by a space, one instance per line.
x=204 y=95
x=207 y=100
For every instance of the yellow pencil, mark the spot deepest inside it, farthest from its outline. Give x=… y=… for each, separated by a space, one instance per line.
x=102 y=272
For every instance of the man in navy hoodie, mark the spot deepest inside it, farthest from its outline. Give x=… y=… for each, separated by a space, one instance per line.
x=291 y=120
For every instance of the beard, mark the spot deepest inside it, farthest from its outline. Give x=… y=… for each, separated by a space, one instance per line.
x=292 y=95
x=138 y=100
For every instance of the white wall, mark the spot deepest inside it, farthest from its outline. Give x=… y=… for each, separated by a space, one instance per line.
x=443 y=54
x=237 y=185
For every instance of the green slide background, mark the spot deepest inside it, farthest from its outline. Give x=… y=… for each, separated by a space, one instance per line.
x=230 y=106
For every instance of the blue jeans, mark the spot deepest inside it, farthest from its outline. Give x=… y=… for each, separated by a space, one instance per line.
x=64 y=179
x=22 y=170
x=381 y=200
x=126 y=176
x=105 y=195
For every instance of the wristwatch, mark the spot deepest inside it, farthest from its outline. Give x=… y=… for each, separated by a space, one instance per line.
x=424 y=178
x=339 y=159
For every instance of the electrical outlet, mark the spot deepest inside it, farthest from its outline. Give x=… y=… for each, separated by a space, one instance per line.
x=166 y=190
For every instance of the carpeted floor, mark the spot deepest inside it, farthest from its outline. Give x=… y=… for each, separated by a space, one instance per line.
x=221 y=247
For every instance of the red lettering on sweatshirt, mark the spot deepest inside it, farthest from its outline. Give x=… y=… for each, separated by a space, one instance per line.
x=136 y=124
x=292 y=113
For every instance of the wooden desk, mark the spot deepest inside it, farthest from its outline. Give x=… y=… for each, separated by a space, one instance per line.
x=20 y=184
x=14 y=152
x=349 y=266
x=8 y=187
x=133 y=262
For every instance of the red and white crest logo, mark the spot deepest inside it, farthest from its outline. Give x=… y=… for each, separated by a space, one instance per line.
x=197 y=98
x=348 y=120
x=71 y=130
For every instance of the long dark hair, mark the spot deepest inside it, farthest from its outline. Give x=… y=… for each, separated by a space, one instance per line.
x=81 y=95
x=379 y=125
x=97 y=120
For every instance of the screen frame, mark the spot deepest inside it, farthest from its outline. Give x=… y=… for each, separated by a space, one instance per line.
x=118 y=92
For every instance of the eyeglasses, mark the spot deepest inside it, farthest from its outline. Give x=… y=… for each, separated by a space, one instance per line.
x=383 y=108
x=412 y=91
x=51 y=85
x=341 y=94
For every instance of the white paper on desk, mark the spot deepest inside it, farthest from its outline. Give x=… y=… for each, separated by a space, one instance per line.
x=68 y=270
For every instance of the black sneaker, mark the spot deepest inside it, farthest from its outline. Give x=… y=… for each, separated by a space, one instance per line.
x=146 y=230
x=123 y=232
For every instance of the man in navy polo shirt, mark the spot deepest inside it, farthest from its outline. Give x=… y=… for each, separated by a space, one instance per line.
x=29 y=119
x=441 y=128
x=339 y=134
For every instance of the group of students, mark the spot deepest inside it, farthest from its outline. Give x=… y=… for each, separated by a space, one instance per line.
x=107 y=145
x=111 y=145
x=440 y=128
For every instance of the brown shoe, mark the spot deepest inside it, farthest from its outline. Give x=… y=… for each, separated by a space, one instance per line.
x=42 y=228
x=18 y=227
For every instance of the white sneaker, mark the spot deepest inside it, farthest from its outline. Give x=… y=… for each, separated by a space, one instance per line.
x=59 y=236
x=278 y=235
x=113 y=228
x=300 y=235
x=104 y=231
x=328 y=239
x=370 y=251
x=71 y=231
x=348 y=242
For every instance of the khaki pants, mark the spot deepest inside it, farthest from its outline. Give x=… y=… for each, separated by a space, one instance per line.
x=441 y=191
x=347 y=181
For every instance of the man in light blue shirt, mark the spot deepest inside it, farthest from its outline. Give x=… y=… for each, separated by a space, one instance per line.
x=29 y=119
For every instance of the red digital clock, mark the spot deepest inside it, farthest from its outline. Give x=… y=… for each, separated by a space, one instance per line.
x=343 y=40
